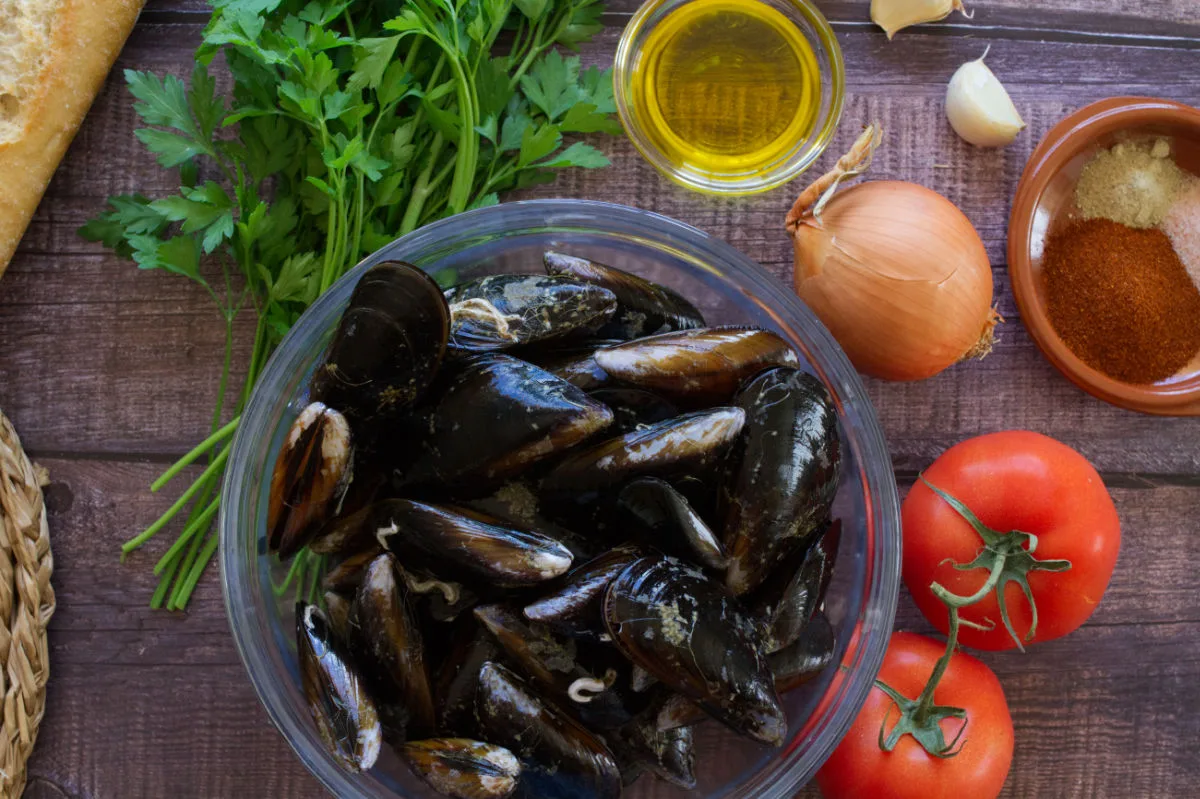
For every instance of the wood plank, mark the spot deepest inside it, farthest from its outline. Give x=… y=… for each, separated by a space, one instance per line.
x=1108 y=16
x=138 y=353
x=145 y=703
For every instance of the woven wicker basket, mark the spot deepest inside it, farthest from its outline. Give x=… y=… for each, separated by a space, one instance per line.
x=26 y=605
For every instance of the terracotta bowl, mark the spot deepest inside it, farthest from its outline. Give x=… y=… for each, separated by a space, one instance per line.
x=1045 y=200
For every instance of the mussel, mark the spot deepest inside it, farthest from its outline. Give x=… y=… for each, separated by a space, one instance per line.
x=575 y=363
x=663 y=518
x=597 y=694
x=457 y=681
x=337 y=614
x=644 y=308
x=574 y=609
x=794 y=591
x=516 y=504
x=462 y=768
x=465 y=545
x=686 y=630
x=560 y=759
x=346 y=574
x=345 y=715
x=388 y=344
x=504 y=311
x=387 y=642
x=633 y=408
x=682 y=444
x=698 y=367
x=783 y=473
x=668 y=754
x=498 y=417
x=806 y=657
x=310 y=476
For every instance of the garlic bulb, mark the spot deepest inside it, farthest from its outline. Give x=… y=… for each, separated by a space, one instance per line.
x=979 y=108
x=892 y=15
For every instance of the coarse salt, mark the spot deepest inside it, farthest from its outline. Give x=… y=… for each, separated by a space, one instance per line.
x=1182 y=226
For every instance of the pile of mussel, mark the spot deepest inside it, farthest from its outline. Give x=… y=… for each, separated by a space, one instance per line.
x=565 y=522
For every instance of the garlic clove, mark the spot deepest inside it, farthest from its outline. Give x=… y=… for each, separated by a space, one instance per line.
x=979 y=108
x=893 y=15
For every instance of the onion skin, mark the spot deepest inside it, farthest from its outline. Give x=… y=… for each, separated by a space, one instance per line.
x=899 y=276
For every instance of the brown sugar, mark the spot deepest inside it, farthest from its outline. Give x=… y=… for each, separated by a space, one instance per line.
x=1121 y=300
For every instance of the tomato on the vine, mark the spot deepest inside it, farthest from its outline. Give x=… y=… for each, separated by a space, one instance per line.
x=1037 y=496
x=978 y=754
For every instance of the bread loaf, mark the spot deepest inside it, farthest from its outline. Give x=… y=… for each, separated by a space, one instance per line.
x=54 y=56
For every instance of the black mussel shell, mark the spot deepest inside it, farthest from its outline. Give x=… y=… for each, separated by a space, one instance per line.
x=795 y=590
x=690 y=633
x=679 y=445
x=641 y=680
x=350 y=533
x=560 y=759
x=574 y=609
x=337 y=614
x=783 y=473
x=575 y=363
x=457 y=680
x=310 y=476
x=462 y=768
x=644 y=308
x=387 y=642
x=464 y=545
x=444 y=600
x=498 y=417
x=516 y=504
x=345 y=575
x=388 y=345
x=345 y=715
x=661 y=517
x=503 y=311
x=584 y=681
x=634 y=408
x=668 y=754
x=701 y=494
x=677 y=711
x=697 y=367
x=807 y=657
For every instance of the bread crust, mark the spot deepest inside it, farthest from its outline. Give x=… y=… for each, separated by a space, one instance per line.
x=88 y=35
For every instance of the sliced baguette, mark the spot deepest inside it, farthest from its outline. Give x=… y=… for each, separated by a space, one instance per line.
x=54 y=56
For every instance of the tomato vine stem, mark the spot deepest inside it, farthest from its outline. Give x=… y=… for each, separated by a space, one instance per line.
x=1009 y=559
x=921 y=717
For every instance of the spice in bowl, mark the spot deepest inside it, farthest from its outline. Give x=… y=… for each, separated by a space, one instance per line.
x=1118 y=290
x=1121 y=300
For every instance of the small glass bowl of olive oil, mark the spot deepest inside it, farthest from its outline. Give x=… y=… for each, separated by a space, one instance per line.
x=729 y=96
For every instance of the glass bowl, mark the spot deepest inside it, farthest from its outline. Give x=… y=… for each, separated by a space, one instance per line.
x=809 y=24
x=728 y=288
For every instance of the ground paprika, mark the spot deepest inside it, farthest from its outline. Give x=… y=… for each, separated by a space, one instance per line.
x=1121 y=300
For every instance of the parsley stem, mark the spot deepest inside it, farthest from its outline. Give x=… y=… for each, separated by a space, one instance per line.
x=149 y=532
x=204 y=446
x=191 y=531
x=189 y=585
x=185 y=568
x=164 y=583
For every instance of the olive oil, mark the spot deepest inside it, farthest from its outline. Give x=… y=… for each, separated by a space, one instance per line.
x=726 y=87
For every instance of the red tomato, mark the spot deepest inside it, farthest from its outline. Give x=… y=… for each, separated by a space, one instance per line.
x=1014 y=480
x=859 y=769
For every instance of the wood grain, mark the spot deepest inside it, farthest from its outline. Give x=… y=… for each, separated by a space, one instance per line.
x=110 y=372
x=145 y=348
x=166 y=698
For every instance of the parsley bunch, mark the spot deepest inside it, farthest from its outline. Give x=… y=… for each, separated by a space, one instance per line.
x=348 y=124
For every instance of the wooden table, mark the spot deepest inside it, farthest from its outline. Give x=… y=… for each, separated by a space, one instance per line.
x=109 y=373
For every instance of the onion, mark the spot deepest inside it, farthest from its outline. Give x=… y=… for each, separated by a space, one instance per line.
x=894 y=270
